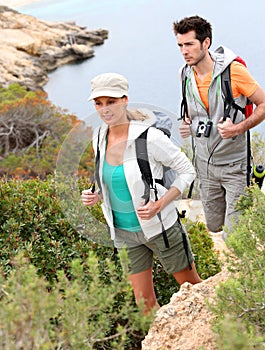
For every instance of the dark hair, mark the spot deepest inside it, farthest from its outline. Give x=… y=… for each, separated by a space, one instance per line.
x=202 y=28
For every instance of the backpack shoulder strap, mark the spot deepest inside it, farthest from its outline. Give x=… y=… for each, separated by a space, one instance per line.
x=226 y=85
x=184 y=105
x=229 y=102
x=143 y=163
x=97 y=159
x=227 y=92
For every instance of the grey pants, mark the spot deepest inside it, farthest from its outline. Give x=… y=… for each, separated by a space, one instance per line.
x=220 y=188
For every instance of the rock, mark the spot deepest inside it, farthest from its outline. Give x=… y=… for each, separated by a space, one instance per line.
x=31 y=48
x=81 y=50
x=185 y=323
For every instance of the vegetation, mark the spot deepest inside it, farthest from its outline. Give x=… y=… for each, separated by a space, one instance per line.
x=257 y=148
x=61 y=285
x=44 y=291
x=32 y=131
x=240 y=306
x=54 y=234
x=80 y=311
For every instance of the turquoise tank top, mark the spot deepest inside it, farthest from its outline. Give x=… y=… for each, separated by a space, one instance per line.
x=120 y=198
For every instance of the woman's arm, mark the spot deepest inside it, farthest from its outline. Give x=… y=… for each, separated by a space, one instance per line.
x=149 y=210
x=161 y=150
x=165 y=152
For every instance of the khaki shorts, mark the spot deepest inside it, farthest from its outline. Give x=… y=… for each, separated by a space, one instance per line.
x=142 y=252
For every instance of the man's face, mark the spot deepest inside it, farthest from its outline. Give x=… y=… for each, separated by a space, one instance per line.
x=191 y=48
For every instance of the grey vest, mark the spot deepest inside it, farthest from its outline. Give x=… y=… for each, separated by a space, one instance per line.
x=214 y=149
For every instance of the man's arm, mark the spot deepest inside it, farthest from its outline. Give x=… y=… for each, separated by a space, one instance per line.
x=228 y=130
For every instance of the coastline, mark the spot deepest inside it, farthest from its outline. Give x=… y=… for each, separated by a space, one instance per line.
x=31 y=48
x=16 y=3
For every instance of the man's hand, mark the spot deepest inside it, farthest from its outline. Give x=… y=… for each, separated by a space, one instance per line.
x=227 y=129
x=184 y=128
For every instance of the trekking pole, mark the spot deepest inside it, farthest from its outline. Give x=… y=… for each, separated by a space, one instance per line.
x=249 y=167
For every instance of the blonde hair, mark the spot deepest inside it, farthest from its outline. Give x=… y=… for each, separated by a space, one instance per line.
x=136 y=115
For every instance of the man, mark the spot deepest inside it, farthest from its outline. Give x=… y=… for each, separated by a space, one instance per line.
x=220 y=143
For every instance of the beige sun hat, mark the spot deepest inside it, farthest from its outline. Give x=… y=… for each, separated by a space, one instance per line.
x=108 y=84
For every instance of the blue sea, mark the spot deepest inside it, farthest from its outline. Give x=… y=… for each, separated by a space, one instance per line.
x=142 y=46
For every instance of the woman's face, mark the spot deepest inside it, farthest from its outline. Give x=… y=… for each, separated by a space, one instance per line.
x=112 y=110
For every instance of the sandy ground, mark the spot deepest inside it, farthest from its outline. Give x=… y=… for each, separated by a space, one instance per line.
x=15 y=3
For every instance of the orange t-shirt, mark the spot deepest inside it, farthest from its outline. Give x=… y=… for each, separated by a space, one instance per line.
x=242 y=83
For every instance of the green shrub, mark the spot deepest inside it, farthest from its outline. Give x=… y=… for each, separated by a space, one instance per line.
x=240 y=300
x=48 y=220
x=257 y=148
x=33 y=220
x=37 y=222
x=47 y=223
x=13 y=92
x=76 y=313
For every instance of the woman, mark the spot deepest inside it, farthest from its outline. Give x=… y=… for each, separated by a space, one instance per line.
x=134 y=224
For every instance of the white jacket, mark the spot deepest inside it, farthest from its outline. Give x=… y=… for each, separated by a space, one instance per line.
x=161 y=151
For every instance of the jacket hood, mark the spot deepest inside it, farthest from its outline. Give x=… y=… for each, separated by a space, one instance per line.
x=222 y=57
x=146 y=119
x=139 y=126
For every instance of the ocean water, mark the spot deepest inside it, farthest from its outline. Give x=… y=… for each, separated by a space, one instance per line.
x=142 y=46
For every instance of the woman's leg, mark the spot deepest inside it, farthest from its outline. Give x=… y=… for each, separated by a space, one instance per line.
x=177 y=256
x=187 y=275
x=142 y=284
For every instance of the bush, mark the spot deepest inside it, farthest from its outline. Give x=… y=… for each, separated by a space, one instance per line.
x=32 y=133
x=33 y=223
x=240 y=300
x=48 y=220
x=47 y=223
x=76 y=313
x=33 y=220
x=257 y=148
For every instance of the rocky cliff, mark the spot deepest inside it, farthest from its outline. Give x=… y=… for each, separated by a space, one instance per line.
x=186 y=322
x=31 y=48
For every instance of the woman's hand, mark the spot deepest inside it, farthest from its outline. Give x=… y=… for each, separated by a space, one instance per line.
x=90 y=198
x=148 y=211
